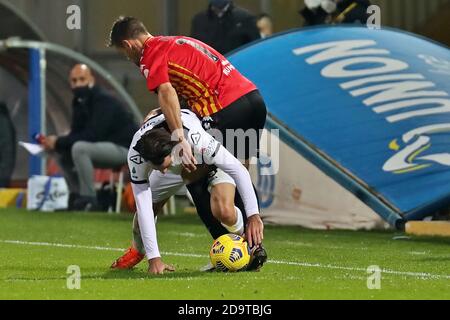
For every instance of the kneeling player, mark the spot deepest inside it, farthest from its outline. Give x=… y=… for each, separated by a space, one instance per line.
x=153 y=148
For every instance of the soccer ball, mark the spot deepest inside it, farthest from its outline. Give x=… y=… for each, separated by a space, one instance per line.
x=230 y=252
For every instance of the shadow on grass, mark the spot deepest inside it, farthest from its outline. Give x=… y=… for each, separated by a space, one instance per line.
x=141 y=274
x=115 y=275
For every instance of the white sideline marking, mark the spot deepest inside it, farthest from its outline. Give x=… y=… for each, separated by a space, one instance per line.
x=419 y=275
x=186 y=234
x=71 y=246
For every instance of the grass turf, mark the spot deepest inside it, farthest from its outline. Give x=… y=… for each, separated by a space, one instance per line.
x=304 y=264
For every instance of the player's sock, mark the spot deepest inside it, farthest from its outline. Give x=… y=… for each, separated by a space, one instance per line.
x=238 y=227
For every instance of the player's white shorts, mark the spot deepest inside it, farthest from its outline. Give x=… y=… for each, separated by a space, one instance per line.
x=217 y=177
x=164 y=186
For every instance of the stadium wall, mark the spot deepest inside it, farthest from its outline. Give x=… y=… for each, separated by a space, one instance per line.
x=301 y=194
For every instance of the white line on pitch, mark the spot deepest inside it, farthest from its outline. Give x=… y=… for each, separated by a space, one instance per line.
x=419 y=275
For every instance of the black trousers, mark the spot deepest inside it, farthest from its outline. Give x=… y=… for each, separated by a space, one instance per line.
x=247 y=113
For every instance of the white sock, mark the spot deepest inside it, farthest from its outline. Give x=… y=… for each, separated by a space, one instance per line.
x=237 y=228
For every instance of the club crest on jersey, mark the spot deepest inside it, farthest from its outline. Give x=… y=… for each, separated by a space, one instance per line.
x=196 y=137
x=137 y=159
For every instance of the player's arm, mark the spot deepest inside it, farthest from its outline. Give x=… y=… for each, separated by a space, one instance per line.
x=156 y=73
x=146 y=219
x=170 y=106
x=143 y=196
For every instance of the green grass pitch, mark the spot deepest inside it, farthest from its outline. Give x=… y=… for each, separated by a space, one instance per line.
x=37 y=248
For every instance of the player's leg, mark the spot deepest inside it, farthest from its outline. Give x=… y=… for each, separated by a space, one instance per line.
x=249 y=114
x=223 y=192
x=223 y=200
x=201 y=199
x=225 y=204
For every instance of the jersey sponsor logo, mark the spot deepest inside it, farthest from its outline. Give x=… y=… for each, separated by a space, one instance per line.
x=211 y=149
x=227 y=67
x=196 y=137
x=137 y=159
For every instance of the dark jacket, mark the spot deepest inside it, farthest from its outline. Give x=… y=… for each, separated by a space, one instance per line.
x=98 y=117
x=236 y=28
x=7 y=146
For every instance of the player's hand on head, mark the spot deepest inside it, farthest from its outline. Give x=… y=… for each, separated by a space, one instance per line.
x=255 y=230
x=187 y=158
x=157 y=266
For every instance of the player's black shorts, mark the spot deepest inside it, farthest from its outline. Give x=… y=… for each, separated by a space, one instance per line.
x=240 y=124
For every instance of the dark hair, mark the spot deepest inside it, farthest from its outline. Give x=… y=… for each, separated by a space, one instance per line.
x=263 y=15
x=125 y=28
x=155 y=145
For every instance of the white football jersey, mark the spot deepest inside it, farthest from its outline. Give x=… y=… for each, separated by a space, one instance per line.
x=204 y=146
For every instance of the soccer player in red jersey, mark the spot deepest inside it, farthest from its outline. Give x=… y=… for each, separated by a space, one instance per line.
x=213 y=89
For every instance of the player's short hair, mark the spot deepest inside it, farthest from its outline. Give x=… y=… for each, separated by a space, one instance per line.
x=125 y=28
x=155 y=145
x=263 y=15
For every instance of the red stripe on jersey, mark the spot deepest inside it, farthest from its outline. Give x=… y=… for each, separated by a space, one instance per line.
x=190 y=92
x=208 y=96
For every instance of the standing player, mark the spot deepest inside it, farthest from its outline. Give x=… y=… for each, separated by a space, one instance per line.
x=153 y=148
x=212 y=87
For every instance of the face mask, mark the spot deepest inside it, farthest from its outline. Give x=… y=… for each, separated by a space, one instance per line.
x=82 y=92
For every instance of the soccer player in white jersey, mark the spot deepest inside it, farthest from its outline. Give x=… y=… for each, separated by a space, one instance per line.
x=156 y=175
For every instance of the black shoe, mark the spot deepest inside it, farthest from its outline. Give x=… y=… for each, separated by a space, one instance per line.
x=73 y=197
x=86 y=204
x=259 y=257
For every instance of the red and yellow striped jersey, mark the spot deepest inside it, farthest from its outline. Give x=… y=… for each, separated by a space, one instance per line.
x=199 y=74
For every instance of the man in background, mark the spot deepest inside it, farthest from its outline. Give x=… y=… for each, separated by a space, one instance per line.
x=101 y=132
x=265 y=25
x=7 y=146
x=224 y=26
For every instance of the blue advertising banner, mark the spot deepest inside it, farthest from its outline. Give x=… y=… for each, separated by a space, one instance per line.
x=369 y=107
